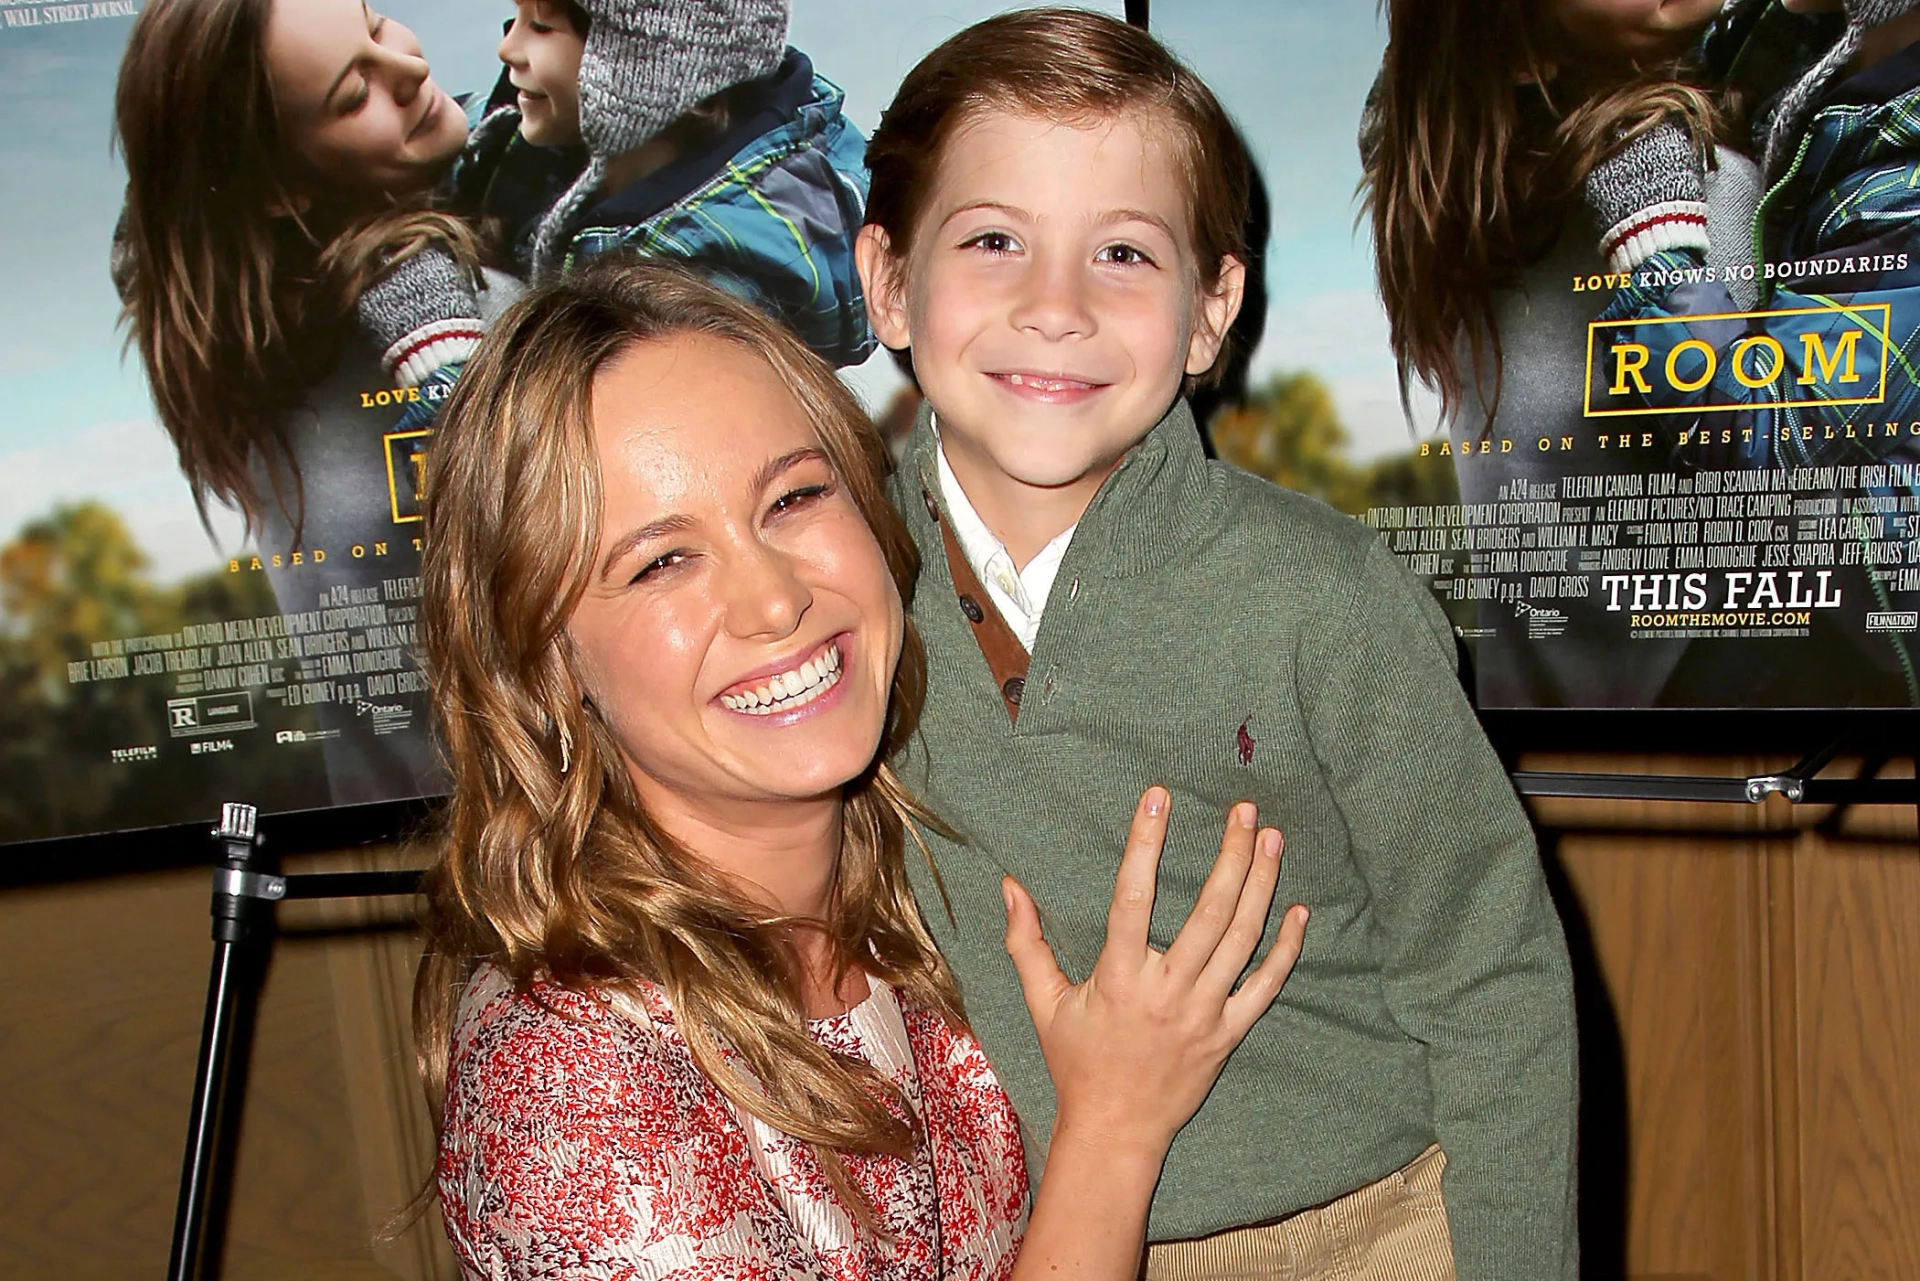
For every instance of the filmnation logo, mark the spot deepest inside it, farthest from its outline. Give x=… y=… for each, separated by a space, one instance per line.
x=1801 y=357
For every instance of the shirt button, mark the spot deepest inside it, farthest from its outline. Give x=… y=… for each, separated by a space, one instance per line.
x=971 y=608
x=932 y=511
x=1012 y=690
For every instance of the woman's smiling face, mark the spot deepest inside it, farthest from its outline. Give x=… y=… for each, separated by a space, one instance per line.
x=356 y=100
x=1635 y=29
x=740 y=627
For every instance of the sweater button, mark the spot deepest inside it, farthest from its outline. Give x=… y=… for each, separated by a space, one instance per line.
x=932 y=510
x=1014 y=687
x=971 y=608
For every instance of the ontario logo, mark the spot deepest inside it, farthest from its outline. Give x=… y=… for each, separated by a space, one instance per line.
x=1800 y=357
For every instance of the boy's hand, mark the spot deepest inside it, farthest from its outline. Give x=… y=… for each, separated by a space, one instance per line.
x=1135 y=1048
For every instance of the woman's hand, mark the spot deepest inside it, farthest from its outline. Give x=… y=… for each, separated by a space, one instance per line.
x=1135 y=1048
x=422 y=314
x=1649 y=195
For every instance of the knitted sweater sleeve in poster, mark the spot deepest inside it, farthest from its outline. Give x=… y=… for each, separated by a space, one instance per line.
x=1473 y=958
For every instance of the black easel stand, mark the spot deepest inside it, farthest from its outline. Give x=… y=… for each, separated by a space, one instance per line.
x=243 y=890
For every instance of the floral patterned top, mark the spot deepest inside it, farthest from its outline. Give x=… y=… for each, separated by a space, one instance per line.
x=580 y=1141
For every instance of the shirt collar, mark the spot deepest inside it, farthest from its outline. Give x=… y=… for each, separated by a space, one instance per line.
x=1161 y=500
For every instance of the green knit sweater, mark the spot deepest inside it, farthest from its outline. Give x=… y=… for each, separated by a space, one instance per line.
x=1226 y=638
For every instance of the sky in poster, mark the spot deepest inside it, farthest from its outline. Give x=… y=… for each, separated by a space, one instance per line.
x=75 y=420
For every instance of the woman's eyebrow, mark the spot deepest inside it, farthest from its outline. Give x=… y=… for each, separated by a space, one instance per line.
x=646 y=533
x=774 y=466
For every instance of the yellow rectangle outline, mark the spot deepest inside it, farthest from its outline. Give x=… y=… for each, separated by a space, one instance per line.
x=393 y=491
x=1884 y=334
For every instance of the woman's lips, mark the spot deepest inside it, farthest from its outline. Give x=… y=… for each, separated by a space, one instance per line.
x=796 y=685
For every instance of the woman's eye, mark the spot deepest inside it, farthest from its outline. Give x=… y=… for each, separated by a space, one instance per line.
x=994 y=242
x=799 y=497
x=539 y=28
x=1124 y=255
x=665 y=561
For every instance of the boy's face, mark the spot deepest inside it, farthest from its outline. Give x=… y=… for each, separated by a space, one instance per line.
x=542 y=53
x=1052 y=301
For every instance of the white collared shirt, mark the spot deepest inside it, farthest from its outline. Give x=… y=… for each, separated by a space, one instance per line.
x=1019 y=594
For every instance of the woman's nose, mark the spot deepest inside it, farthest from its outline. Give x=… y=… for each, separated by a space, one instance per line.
x=766 y=595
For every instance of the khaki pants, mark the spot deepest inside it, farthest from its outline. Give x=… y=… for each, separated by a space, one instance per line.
x=1393 y=1230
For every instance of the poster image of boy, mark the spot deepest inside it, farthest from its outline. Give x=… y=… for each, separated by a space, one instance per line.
x=681 y=129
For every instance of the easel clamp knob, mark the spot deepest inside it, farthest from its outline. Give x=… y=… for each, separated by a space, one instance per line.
x=238 y=884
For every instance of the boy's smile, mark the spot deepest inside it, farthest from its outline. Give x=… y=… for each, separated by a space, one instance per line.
x=1051 y=298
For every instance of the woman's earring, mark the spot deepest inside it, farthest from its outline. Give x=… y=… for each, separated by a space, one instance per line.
x=566 y=751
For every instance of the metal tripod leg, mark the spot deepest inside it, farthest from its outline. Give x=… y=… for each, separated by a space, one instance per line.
x=240 y=895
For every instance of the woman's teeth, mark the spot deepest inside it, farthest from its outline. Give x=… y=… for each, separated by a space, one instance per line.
x=789 y=690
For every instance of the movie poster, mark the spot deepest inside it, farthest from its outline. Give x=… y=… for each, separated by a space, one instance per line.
x=1696 y=485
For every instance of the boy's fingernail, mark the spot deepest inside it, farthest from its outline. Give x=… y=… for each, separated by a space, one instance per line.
x=1006 y=896
x=1270 y=843
x=1244 y=814
x=1156 y=800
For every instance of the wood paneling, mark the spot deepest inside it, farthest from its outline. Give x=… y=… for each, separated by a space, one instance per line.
x=1749 y=979
x=1760 y=969
x=99 y=1032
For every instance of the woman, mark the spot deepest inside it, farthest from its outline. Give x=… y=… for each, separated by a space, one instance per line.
x=1480 y=146
x=679 y=1010
x=280 y=159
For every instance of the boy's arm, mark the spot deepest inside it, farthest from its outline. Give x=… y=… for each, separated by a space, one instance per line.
x=1474 y=961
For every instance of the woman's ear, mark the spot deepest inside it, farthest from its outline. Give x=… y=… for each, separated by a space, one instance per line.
x=1218 y=308
x=882 y=280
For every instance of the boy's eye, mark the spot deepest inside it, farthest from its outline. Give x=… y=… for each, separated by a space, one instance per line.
x=994 y=242
x=538 y=27
x=800 y=497
x=662 y=562
x=1125 y=255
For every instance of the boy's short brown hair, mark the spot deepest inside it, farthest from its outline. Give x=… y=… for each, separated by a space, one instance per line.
x=1070 y=65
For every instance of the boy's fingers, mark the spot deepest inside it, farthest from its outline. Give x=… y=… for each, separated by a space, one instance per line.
x=1041 y=981
x=1214 y=910
x=1132 y=908
x=1242 y=937
x=1244 y=1008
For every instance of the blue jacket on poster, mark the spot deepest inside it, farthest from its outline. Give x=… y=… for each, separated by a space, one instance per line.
x=768 y=209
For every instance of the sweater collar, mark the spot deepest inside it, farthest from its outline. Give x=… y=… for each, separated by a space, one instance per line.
x=1160 y=500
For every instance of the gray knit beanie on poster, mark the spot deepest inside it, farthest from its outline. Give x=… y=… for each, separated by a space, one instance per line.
x=1797 y=104
x=645 y=63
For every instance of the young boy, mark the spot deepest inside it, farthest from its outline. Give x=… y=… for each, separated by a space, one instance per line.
x=1054 y=234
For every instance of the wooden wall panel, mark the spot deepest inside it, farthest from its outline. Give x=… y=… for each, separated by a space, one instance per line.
x=1858 y=918
x=99 y=1032
x=1750 y=980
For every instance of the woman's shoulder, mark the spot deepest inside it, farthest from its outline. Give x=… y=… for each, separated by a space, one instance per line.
x=578 y=1134
x=522 y=1054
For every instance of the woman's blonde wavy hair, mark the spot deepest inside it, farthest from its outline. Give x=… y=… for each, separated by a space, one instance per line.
x=236 y=302
x=1480 y=130
x=548 y=867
